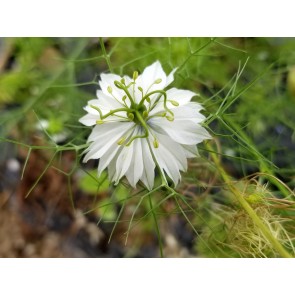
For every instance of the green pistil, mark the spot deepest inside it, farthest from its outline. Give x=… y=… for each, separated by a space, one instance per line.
x=110 y=113
x=142 y=122
x=115 y=111
x=123 y=87
x=97 y=109
x=162 y=93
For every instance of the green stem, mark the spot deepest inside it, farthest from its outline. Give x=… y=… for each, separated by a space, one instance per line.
x=106 y=56
x=157 y=227
x=275 y=243
x=264 y=166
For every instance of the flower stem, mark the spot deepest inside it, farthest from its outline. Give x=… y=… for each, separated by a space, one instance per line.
x=157 y=226
x=255 y=218
x=105 y=55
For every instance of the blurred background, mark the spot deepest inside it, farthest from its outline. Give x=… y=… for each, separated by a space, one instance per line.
x=52 y=205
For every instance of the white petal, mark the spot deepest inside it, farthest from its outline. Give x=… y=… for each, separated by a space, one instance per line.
x=135 y=170
x=170 y=157
x=112 y=168
x=100 y=132
x=185 y=128
x=94 y=102
x=104 y=136
x=188 y=112
x=123 y=162
x=89 y=119
x=150 y=75
x=170 y=77
x=191 y=151
x=110 y=154
x=183 y=97
x=107 y=80
x=148 y=174
x=174 y=149
x=107 y=102
x=180 y=95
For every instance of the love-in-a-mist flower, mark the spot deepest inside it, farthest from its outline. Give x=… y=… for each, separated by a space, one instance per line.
x=139 y=125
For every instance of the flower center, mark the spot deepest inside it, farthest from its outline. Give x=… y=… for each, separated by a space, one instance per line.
x=137 y=112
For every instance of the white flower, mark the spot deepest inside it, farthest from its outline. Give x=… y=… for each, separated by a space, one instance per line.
x=139 y=125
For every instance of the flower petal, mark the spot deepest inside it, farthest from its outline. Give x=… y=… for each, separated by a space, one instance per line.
x=182 y=97
x=170 y=157
x=170 y=77
x=174 y=149
x=135 y=170
x=104 y=136
x=149 y=165
x=108 y=102
x=123 y=162
x=150 y=75
x=106 y=158
x=89 y=119
x=191 y=151
x=185 y=128
x=108 y=80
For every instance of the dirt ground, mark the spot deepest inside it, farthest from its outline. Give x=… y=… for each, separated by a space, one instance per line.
x=46 y=225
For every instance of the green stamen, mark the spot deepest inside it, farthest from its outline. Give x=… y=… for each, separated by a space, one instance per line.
x=130 y=116
x=125 y=89
x=156 y=143
x=175 y=103
x=121 y=140
x=97 y=109
x=135 y=75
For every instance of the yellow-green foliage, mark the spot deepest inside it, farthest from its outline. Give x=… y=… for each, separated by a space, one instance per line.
x=231 y=232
